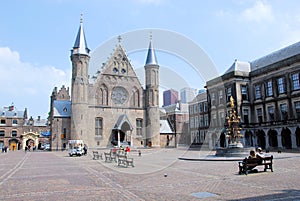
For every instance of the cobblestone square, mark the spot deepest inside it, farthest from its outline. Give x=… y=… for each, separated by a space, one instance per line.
x=158 y=175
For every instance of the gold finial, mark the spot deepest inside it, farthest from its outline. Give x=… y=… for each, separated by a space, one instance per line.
x=119 y=39
x=231 y=102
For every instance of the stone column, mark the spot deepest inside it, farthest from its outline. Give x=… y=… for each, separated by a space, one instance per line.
x=279 y=137
x=293 y=137
x=254 y=138
x=266 y=138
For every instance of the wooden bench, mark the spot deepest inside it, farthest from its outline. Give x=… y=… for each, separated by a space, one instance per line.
x=97 y=156
x=124 y=160
x=109 y=157
x=249 y=163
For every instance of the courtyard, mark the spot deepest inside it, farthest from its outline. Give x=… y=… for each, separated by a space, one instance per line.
x=158 y=174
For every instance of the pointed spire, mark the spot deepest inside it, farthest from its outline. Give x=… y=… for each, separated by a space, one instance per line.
x=151 y=58
x=80 y=46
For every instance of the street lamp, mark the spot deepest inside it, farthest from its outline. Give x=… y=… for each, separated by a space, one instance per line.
x=57 y=134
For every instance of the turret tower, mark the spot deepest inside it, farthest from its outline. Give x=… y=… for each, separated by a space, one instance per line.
x=152 y=98
x=79 y=92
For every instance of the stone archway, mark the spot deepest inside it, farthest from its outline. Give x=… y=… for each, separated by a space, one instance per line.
x=261 y=139
x=297 y=137
x=30 y=137
x=119 y=132
x=273 y=142
x=286 y=138
x=248 y=138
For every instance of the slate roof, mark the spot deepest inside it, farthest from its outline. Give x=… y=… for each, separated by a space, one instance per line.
x=239 y=66
x=276 y=56
x=5 y=112
x=151 y=57
x=62 y=108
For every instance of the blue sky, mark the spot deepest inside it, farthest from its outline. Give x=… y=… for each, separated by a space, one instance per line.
x=36 y=37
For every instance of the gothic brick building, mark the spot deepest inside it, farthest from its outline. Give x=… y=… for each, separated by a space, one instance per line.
x=111 y=110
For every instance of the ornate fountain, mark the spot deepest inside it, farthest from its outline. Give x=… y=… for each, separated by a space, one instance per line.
x=234 y=146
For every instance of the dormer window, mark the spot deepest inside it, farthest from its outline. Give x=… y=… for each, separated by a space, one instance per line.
x=65 y=109
x=123 y=71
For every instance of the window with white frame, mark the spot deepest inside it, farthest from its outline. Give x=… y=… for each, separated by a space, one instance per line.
x=139 y=127
x=195 y=108
x=206 y=120
x=220 y=97
x=271 y=113
x=200 y=107
x=284 y=111
x=269 y=90
x=259 y=115
x=246 y=116
x=201 y=122
x=281 y=85
x=205 y=107
x=221 y=119
x=14 y=133
x=192 y=122
x=2 y=133
x=258 y=92
x=196 y=122
x=228 y=94
x=244 y=90
x=213 y=99
x=297 y=109
x=98 y=127
x=191 y=109
x=295 y=81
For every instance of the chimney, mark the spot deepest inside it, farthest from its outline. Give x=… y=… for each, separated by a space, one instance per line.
x=11 y=108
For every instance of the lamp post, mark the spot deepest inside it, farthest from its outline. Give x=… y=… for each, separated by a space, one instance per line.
x=57 y=135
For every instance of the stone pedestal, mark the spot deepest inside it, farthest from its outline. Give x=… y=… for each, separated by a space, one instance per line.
x=232 y=151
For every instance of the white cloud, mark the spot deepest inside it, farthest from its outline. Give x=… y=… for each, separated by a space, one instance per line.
x=27 y=85
x=259 y=12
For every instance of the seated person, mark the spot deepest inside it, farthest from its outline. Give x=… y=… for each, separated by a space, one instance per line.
x=260 y=154
x=252 y=154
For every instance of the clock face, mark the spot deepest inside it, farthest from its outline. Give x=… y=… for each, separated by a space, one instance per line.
x=119 y=95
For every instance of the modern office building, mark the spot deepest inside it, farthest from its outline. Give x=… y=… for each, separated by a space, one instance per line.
x=187 y=94
x=170 y=97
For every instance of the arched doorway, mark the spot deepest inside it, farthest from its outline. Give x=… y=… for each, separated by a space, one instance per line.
x=13 y=144
x=248 y=139
x=119 y=132
x=115 y=134
x=261 y=140
x=222 y=140
x=30 y=138
x=298 y=137
x=286 y=138
x=273 y=138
